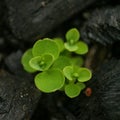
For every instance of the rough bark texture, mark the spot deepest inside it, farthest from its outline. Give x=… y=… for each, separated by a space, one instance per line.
x=29 y=19
x=18 y=95
x=103 y=26
x=51 y=108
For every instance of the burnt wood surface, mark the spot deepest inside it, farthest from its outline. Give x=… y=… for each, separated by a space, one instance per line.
x=103 y=26
x=18 y=95
x=1 y=14
x=30 y=19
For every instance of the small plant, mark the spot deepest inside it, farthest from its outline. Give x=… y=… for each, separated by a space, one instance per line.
x=59 y=64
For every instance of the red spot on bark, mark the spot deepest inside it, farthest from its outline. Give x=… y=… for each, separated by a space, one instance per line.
x=88 y=92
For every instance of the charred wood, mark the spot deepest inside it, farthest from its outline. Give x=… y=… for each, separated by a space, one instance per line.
x=29 y=19
x=103 y=26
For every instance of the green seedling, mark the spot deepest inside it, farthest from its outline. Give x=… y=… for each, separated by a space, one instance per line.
x=75 y=72
x=76 y=77
x=58 y=64
x=41 y=63
x=73 y=44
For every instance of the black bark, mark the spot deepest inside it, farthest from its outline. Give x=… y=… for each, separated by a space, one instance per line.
x=1 y=14
x=30 y=19
x=103 y=26
x=18 y=95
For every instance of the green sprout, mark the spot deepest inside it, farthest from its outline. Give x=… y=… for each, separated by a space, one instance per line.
x=41 y=63
x=73 y=44
x=58 y=64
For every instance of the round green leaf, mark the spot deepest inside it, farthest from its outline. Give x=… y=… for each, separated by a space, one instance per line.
x=72 y=36
x=72 y=90
x=61 y=62
x=50 y=81
x=70 y=47
x=82 y=48
x=27 y=56
x=78 y=61
x=68 y=72
x=60 y=43
x=81 y=85
x=45 y=46
x=71 y=72
x=41 y=63
x=84 y=75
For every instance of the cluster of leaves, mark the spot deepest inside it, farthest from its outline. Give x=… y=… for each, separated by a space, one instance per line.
x=59 y=64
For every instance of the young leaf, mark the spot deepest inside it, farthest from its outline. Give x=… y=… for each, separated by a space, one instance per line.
x=72 y=90
x=60 y=43
x=82 y=48
x=84 y=75
x=71 y=72
x=61 y=62
x=81 y=85
x=72 y=36
x=68 y=72
x=50 y=81
x=45 y=46
x=27 y=56
x=70 y=47
x=77 y=61
x=41 y=63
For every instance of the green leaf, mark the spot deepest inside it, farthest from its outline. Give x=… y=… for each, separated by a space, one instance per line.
x=72 y=90
x=61 y=62
x=82 y=48
x=50 y=81
x=77 y=60
x=65 y=53
x=45 y=46
x=60 y=43
x=81 y=85
x=84 y=75
x=41 y=63
x=27 y=56
x=71 y=72
x=68 y=71
x=72 y=36
x=71 y=47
